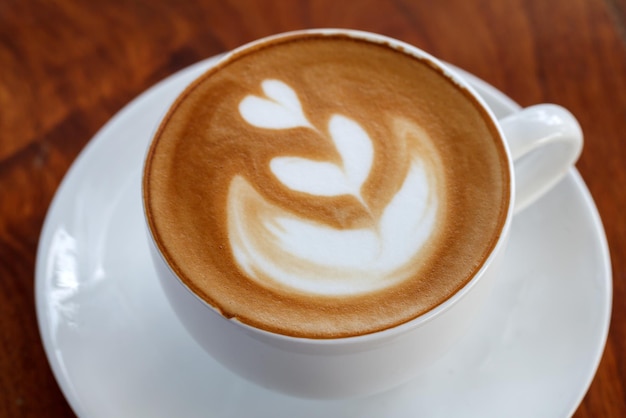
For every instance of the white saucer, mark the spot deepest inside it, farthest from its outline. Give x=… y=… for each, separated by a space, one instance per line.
x=117 y=350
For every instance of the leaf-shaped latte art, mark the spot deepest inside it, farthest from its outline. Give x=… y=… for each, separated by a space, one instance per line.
x=282 y=111
x=277 y=247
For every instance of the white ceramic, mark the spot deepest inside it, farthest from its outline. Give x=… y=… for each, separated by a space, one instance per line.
x=367 y=364
x=118 y=350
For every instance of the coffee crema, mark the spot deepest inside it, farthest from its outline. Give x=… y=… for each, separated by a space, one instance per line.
x=324 y=186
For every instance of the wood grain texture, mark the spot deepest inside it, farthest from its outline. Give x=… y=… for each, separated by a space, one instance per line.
x=67 y=66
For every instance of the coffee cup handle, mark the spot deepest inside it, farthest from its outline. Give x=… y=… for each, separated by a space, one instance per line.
x=544 y=141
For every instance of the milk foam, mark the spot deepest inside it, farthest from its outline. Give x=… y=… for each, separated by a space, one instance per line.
x=278 y=248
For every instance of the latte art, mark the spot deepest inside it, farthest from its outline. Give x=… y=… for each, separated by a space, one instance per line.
x=277 y=247
x=322 y=186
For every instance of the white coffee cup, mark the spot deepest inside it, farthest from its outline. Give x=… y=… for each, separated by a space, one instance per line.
x=543 y=142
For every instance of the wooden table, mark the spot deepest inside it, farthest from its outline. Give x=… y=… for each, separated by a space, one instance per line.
x=67 y=66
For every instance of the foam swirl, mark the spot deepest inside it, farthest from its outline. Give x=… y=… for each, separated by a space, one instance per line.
x=278 y=248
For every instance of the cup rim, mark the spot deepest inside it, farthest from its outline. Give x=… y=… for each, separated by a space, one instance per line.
x=431 y=314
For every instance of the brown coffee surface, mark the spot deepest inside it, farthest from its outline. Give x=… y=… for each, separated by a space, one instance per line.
x=209 y=173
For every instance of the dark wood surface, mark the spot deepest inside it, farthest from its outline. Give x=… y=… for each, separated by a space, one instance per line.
x=67 y=66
